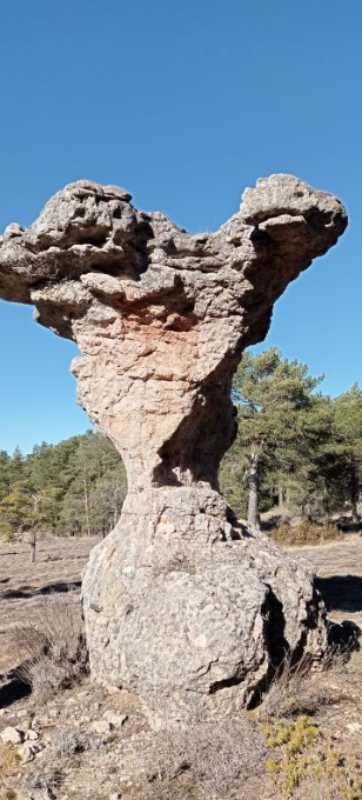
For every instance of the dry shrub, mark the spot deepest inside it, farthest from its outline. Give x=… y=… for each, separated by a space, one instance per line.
x=216 y=755
x=296 y=690
x=73 y=741
x=53 y=648
x=9 y=763
x=306 y=534
x=47 y=781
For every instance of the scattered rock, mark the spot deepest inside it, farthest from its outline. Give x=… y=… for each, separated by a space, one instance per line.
x=101 y=727
x=115 y=720
x=12 y=736
x=354 y=727
x=26 y=752
x=31 y=735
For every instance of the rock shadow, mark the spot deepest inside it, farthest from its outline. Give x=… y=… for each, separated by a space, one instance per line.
x=349 y=526
x=343 y=637
x=341 y=592
x=26 y=592
x=12 y=691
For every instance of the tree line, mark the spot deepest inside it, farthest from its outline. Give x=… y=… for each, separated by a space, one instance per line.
x=74 y=488
x=295 y=448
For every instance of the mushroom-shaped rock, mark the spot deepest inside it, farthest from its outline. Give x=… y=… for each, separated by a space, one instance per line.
x=180 y=603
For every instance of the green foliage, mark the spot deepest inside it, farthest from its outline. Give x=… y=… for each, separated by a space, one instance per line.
x=76 y=487
x=17 y=506
x=295 y=448
x=6 y=530
x=302 y=759
x=348 y=427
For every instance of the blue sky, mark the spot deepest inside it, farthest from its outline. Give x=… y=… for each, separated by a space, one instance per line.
x=184 y=104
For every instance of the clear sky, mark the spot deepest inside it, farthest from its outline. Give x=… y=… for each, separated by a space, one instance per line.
x=184 y=104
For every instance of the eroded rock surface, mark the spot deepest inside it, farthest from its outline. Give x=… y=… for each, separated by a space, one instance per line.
x=181 y=604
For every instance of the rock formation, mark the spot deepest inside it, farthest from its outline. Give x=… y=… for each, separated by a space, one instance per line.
x=181 y=603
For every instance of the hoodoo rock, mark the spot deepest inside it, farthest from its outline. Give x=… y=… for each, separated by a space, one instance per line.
x=182 y=604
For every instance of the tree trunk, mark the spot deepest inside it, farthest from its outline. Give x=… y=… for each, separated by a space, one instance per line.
x=253 y=485
x=33 y=535
x=33 y=543
x=354 y=493
x=287 y=498
x=86 y=505
x=280 y=498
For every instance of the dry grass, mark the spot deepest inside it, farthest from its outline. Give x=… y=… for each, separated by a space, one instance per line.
x=295 y=689
x=306 y=533
x=46 y=781
x=56 y=655
x=9 y=763
x=25 y=586
x=215 y=757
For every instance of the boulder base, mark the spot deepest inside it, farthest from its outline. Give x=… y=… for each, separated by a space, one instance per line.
x=192 y=612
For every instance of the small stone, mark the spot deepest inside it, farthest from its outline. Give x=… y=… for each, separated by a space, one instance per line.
x=115 y=720
x=26 y=753
x=26 y=724
x=354 y=727
x=31 y=735
x=100 y=726
x=12 y=736
x=115 y=796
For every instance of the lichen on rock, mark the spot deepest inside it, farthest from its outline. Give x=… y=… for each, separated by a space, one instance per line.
x=181 y=603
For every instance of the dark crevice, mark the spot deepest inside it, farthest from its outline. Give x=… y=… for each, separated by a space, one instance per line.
x=224 y=684
x=259 y=237
x=239 y=531
x=276 y=644
x=14 y=690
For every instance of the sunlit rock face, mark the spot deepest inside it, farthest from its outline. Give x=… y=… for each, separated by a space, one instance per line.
x=181 y=603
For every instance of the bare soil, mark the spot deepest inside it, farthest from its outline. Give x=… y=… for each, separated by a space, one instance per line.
x=105 y=768
x=56 y=573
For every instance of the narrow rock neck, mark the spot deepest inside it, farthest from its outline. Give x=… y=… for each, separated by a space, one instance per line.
x=169 y=433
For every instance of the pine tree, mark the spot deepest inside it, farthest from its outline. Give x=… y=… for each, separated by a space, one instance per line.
x=348 y=427
x=274 y=397
x=5 y=478
x=16 y=508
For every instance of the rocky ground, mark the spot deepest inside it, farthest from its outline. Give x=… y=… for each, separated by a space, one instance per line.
x=87 y=742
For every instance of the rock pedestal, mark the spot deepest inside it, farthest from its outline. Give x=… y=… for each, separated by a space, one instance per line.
x=191 y=611
x=182 y=604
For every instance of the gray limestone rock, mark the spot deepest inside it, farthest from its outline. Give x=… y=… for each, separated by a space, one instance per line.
x=182 y=604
